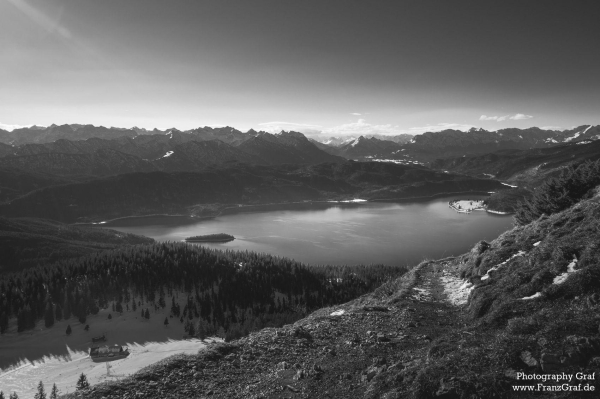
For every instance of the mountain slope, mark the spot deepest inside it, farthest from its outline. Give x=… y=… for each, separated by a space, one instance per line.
x=16 y=182
x=522 y=167
x=369 y=147
x=99 y=163
x=291 y=148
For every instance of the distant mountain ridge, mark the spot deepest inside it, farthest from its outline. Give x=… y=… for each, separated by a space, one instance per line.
x=423 y=148
x=451 y=143
x=170 y=151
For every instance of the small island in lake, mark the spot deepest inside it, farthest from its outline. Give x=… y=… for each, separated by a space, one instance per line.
x=211 y=238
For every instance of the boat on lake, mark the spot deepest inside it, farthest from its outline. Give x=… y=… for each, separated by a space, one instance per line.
x=108 y=353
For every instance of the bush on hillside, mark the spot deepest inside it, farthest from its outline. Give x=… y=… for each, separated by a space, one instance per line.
x=557 y=194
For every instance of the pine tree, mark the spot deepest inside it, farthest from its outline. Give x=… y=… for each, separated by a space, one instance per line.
x=41 y=392
x=69 y=329
x=49 y=315
x=82 y=311
x=3 y=324
x=2 y=395
x=201 y=329
x=54 y=393
x=14 y=396
x=147 y=315
x=133 y=305
x=66 y=309
x=58 y=313
x=82 y=383
x=166 y=322
x=109 y=316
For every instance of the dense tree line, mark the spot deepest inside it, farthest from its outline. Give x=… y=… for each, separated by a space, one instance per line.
x=557 y=194
x=226 y=290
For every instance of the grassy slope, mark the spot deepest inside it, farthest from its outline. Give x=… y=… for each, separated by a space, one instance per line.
x=484 y=356
x=27 y=242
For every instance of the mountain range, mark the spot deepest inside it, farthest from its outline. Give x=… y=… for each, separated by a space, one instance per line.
x=171 y=151
x=428 y=147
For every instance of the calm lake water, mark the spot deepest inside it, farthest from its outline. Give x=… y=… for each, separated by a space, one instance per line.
x=389 y=233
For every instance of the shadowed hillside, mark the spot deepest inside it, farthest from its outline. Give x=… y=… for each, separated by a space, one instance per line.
x=179 y=193
x=27 y=242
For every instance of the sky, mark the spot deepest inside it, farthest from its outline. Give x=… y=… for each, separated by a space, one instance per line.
x=321 y=67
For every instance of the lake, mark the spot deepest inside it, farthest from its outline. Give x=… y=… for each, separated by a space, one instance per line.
x=365 y=233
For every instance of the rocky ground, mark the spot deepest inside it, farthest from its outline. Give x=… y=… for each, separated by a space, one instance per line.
x=370 y=347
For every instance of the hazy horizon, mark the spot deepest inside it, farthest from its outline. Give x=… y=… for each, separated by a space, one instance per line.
x=331 y=68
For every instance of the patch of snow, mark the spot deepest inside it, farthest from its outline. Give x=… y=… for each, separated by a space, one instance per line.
x=352 y=200
x=535 y=244
x=509 y=185
x=551 y=141
x=586 y=129
x=457 y=291
x=497 y=212
x=536 y=295
x=168 y=154
x=487 y=274
x=520 y=136
x=573 y=137
x=397 y=161
x=570 y=269
x=338 y=312
x=422 y=294
x=583 y=142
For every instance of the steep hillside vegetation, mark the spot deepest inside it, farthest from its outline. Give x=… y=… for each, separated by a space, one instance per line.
x=556 y=194
x=26 y=242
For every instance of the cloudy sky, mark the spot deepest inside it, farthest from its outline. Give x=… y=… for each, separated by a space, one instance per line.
x=335 y=67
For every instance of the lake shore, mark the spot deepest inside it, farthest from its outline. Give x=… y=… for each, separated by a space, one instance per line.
x=216 y=210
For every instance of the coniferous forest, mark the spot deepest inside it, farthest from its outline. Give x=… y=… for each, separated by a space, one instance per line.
x=228 y=292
